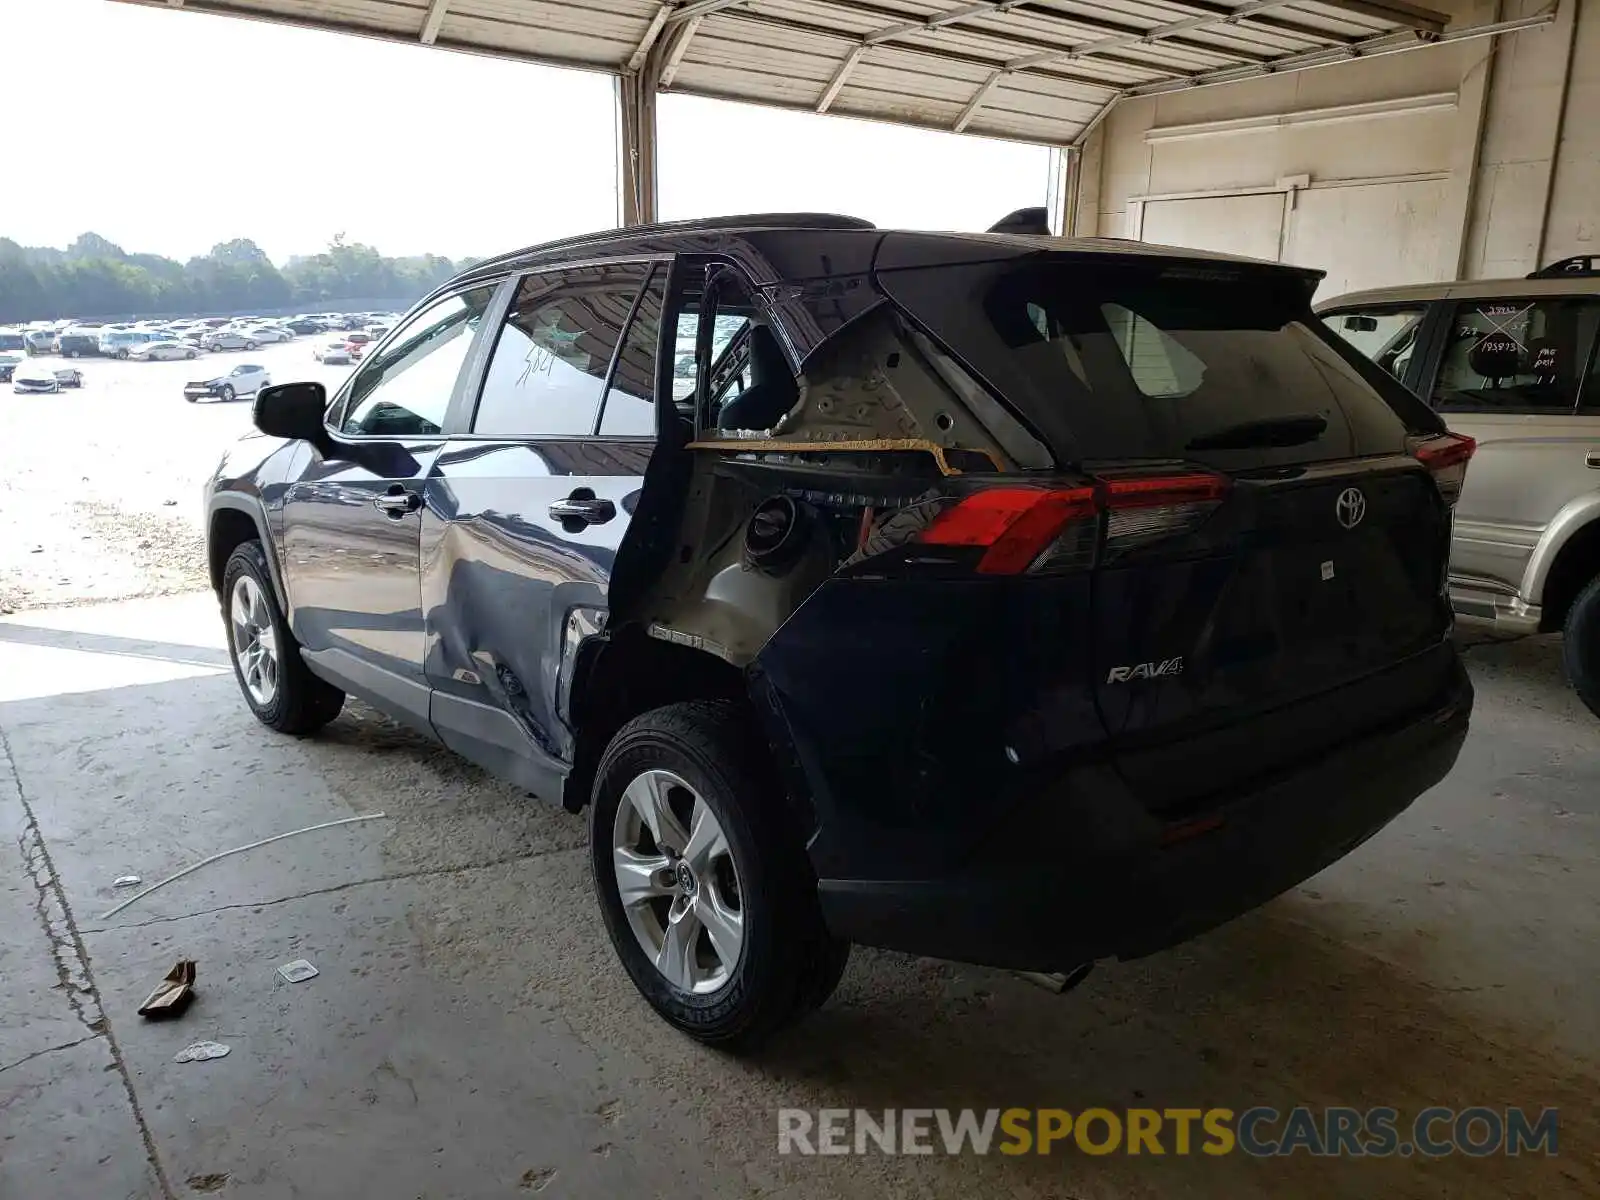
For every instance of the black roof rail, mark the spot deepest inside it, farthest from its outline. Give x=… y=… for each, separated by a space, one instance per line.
x=1578 y=264
x=741 y=221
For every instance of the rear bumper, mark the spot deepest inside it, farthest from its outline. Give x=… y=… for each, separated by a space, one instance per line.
x=1482 y=600
x=1081 y=871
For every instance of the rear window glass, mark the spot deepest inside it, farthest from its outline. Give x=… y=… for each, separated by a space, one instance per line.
x=1134 y=359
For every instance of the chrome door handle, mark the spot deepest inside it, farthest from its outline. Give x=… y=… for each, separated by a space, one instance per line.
x=579 y=509
x=1592 y=459
x=398 y=502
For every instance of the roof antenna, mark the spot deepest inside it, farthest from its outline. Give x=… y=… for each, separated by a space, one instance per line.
x=1024 y=220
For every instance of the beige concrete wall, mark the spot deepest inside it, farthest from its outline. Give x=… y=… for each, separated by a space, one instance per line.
x=1521 y=126
x=1573 y=226
x=1502 y=178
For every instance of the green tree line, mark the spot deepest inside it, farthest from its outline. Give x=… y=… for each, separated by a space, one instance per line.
x=95 y=277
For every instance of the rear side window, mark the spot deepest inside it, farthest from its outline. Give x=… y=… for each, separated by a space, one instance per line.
x=1525 y=356
x=1133 y=358
x=629 y=409
x=554 y=352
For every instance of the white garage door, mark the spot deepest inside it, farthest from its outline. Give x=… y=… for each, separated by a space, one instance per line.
x=1374 y=235
x=1248 y=225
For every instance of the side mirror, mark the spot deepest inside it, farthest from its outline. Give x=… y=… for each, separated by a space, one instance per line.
x=1360 y=324
x=292 y=410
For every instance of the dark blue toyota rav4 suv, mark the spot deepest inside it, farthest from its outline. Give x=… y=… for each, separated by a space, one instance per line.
x=995 y=597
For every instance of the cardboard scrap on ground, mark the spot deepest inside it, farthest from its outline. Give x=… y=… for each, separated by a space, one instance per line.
x=172 y=994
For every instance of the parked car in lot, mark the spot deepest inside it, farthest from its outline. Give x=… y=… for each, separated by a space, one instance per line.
x=228 y=339
x=303 y=325
x=39 y=341
x=67 y=377
x=36 y=377
x=331 y=352
x=9 y=361
x=1138 y=621
x=244 y=380
x=1512 y=364
x=119 y=343
x=77 y=343
x=269 y=333
x=161 y=351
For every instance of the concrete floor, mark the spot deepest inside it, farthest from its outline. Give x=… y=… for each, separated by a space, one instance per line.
x=471 y=1034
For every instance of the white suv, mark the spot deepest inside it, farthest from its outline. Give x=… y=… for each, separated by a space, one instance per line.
x=1512 y=364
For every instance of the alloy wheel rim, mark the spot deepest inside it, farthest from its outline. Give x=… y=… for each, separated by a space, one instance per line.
x=255 y=641
x=678 y=882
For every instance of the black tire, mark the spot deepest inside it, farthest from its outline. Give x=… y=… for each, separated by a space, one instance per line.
x=249 y=345
x=302 y=703
x=189 y=354
x=789 y=963
x=225 y=393
x=1580 y=650
x=122 y=355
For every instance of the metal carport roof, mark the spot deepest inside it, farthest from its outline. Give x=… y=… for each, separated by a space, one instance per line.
x=1036 y=70
x=1045 y=71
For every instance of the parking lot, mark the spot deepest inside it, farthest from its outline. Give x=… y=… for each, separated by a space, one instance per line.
x=109 y=476
x=470 y=1032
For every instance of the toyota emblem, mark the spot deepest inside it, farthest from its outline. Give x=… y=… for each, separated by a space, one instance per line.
x=1350 y=507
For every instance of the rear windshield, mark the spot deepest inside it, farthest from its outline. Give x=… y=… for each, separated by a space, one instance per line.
x=1135 y=358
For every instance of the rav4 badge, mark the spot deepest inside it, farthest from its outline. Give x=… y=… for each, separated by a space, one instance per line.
x=1146 y=670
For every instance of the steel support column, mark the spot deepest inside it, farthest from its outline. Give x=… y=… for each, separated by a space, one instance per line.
x=1061 y=190
x=636 y=144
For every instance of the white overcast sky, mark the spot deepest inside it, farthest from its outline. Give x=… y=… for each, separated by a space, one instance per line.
x=169 y=131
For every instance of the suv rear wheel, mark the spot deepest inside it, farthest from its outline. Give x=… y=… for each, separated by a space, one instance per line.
x=705 y=889
x=277 y=685
x=1580 y=650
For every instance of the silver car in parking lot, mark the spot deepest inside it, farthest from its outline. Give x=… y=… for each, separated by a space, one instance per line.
x=228 y=339
x=246 y=379
x=162 y=351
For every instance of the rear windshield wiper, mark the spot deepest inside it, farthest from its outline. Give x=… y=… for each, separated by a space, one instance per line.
x=1271 y=431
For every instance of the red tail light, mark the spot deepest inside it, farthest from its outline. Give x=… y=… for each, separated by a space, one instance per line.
x=1446 y=457
x=1035 y=529
x=1016 y=524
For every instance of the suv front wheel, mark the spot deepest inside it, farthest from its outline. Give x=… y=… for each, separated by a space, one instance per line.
x=277 y=685
x=1580 y=650
x=705 y=889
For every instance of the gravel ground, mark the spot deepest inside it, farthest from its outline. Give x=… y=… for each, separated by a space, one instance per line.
x=100 y=489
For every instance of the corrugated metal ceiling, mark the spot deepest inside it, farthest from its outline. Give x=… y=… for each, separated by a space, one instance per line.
x=1037 y=70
